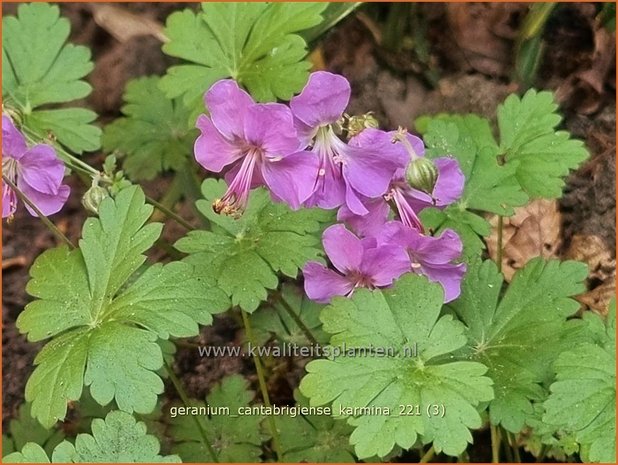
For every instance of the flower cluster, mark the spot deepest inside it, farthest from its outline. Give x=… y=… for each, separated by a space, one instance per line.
x=36 y=171
x=312 y=154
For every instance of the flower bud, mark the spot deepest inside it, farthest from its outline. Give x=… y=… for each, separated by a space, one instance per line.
x=422 y=174
x=93 y=198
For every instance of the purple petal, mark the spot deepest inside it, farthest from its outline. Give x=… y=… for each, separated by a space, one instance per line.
x=47 y=203
x=450 y=183
x=227 y=104
x=343 y=248
x=423 y=249
x=41 y=169
x=384 y=264
x=449 y=276
x=353 y=201
x=368 y=170
x=437 y=250
x=322 y=284
x=323 y=99
x=372 y=137
x=369 y=224
x=270 y=127
x=292 y=178
x=330 y=187
x=9 y=201
x=212 y=150
x=13 y=142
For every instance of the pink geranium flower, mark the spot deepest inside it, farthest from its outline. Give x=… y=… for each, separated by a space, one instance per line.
x=408 y=201
x=257 y=143
x=346 y=173
x=359 y=263
x=434 y=257
x=36 y=171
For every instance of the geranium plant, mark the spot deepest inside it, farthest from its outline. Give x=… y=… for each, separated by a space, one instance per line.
x=313 y=227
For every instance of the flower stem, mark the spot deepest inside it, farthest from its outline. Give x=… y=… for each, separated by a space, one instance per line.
x=170 y=213
x=263 y=387
x=51 y=226
x=301 y=324
x=185 y=400
x=427 y=456
x=513 y=443
x=499 y=251
x=495 y=443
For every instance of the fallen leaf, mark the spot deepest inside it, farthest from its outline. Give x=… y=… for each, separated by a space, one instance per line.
x=533 y=231
x=484 y=34
x=124 y=25
x=584 y=90
x=601 y=281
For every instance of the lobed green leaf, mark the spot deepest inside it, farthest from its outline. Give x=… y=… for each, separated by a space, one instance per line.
x=254 y=43
x=106 y=323
x=40 y=68
x=245 y=255
x=407 y=315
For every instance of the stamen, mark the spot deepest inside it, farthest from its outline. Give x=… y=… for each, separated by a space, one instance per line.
x=402 y=137
x=234 y=201
x=407 y=215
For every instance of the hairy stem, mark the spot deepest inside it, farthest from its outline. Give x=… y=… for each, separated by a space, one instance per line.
x=185 y=400
x=427 y=456
x=513 y=443
x=263 y=387
x=301 y=324
x=499 y=246
x=495 y=444
x=171 y=198
x=170 y=213
x=51 y=226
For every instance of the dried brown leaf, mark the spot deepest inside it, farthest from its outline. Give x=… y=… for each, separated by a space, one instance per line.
x=601 y=282
x=533 y=231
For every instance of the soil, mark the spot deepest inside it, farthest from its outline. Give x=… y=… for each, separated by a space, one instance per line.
x=394 y=85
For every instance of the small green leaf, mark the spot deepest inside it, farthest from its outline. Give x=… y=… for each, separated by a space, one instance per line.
x=254 y=43
x=153 y=135
x=40 y=68
x=244 y=255
x=314 y=438
x=30 y=453
x=105 y=323
x=541 y=156
x=26 y=429
x=583 y=397
x=398 y=320
x=235 y=438
x=518 y=336
x=117 y=439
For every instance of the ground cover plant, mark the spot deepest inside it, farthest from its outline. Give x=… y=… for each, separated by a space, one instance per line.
x=367 y=264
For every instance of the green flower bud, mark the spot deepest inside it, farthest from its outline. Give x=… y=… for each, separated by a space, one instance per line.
x=422 y=174
x=93 y=198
